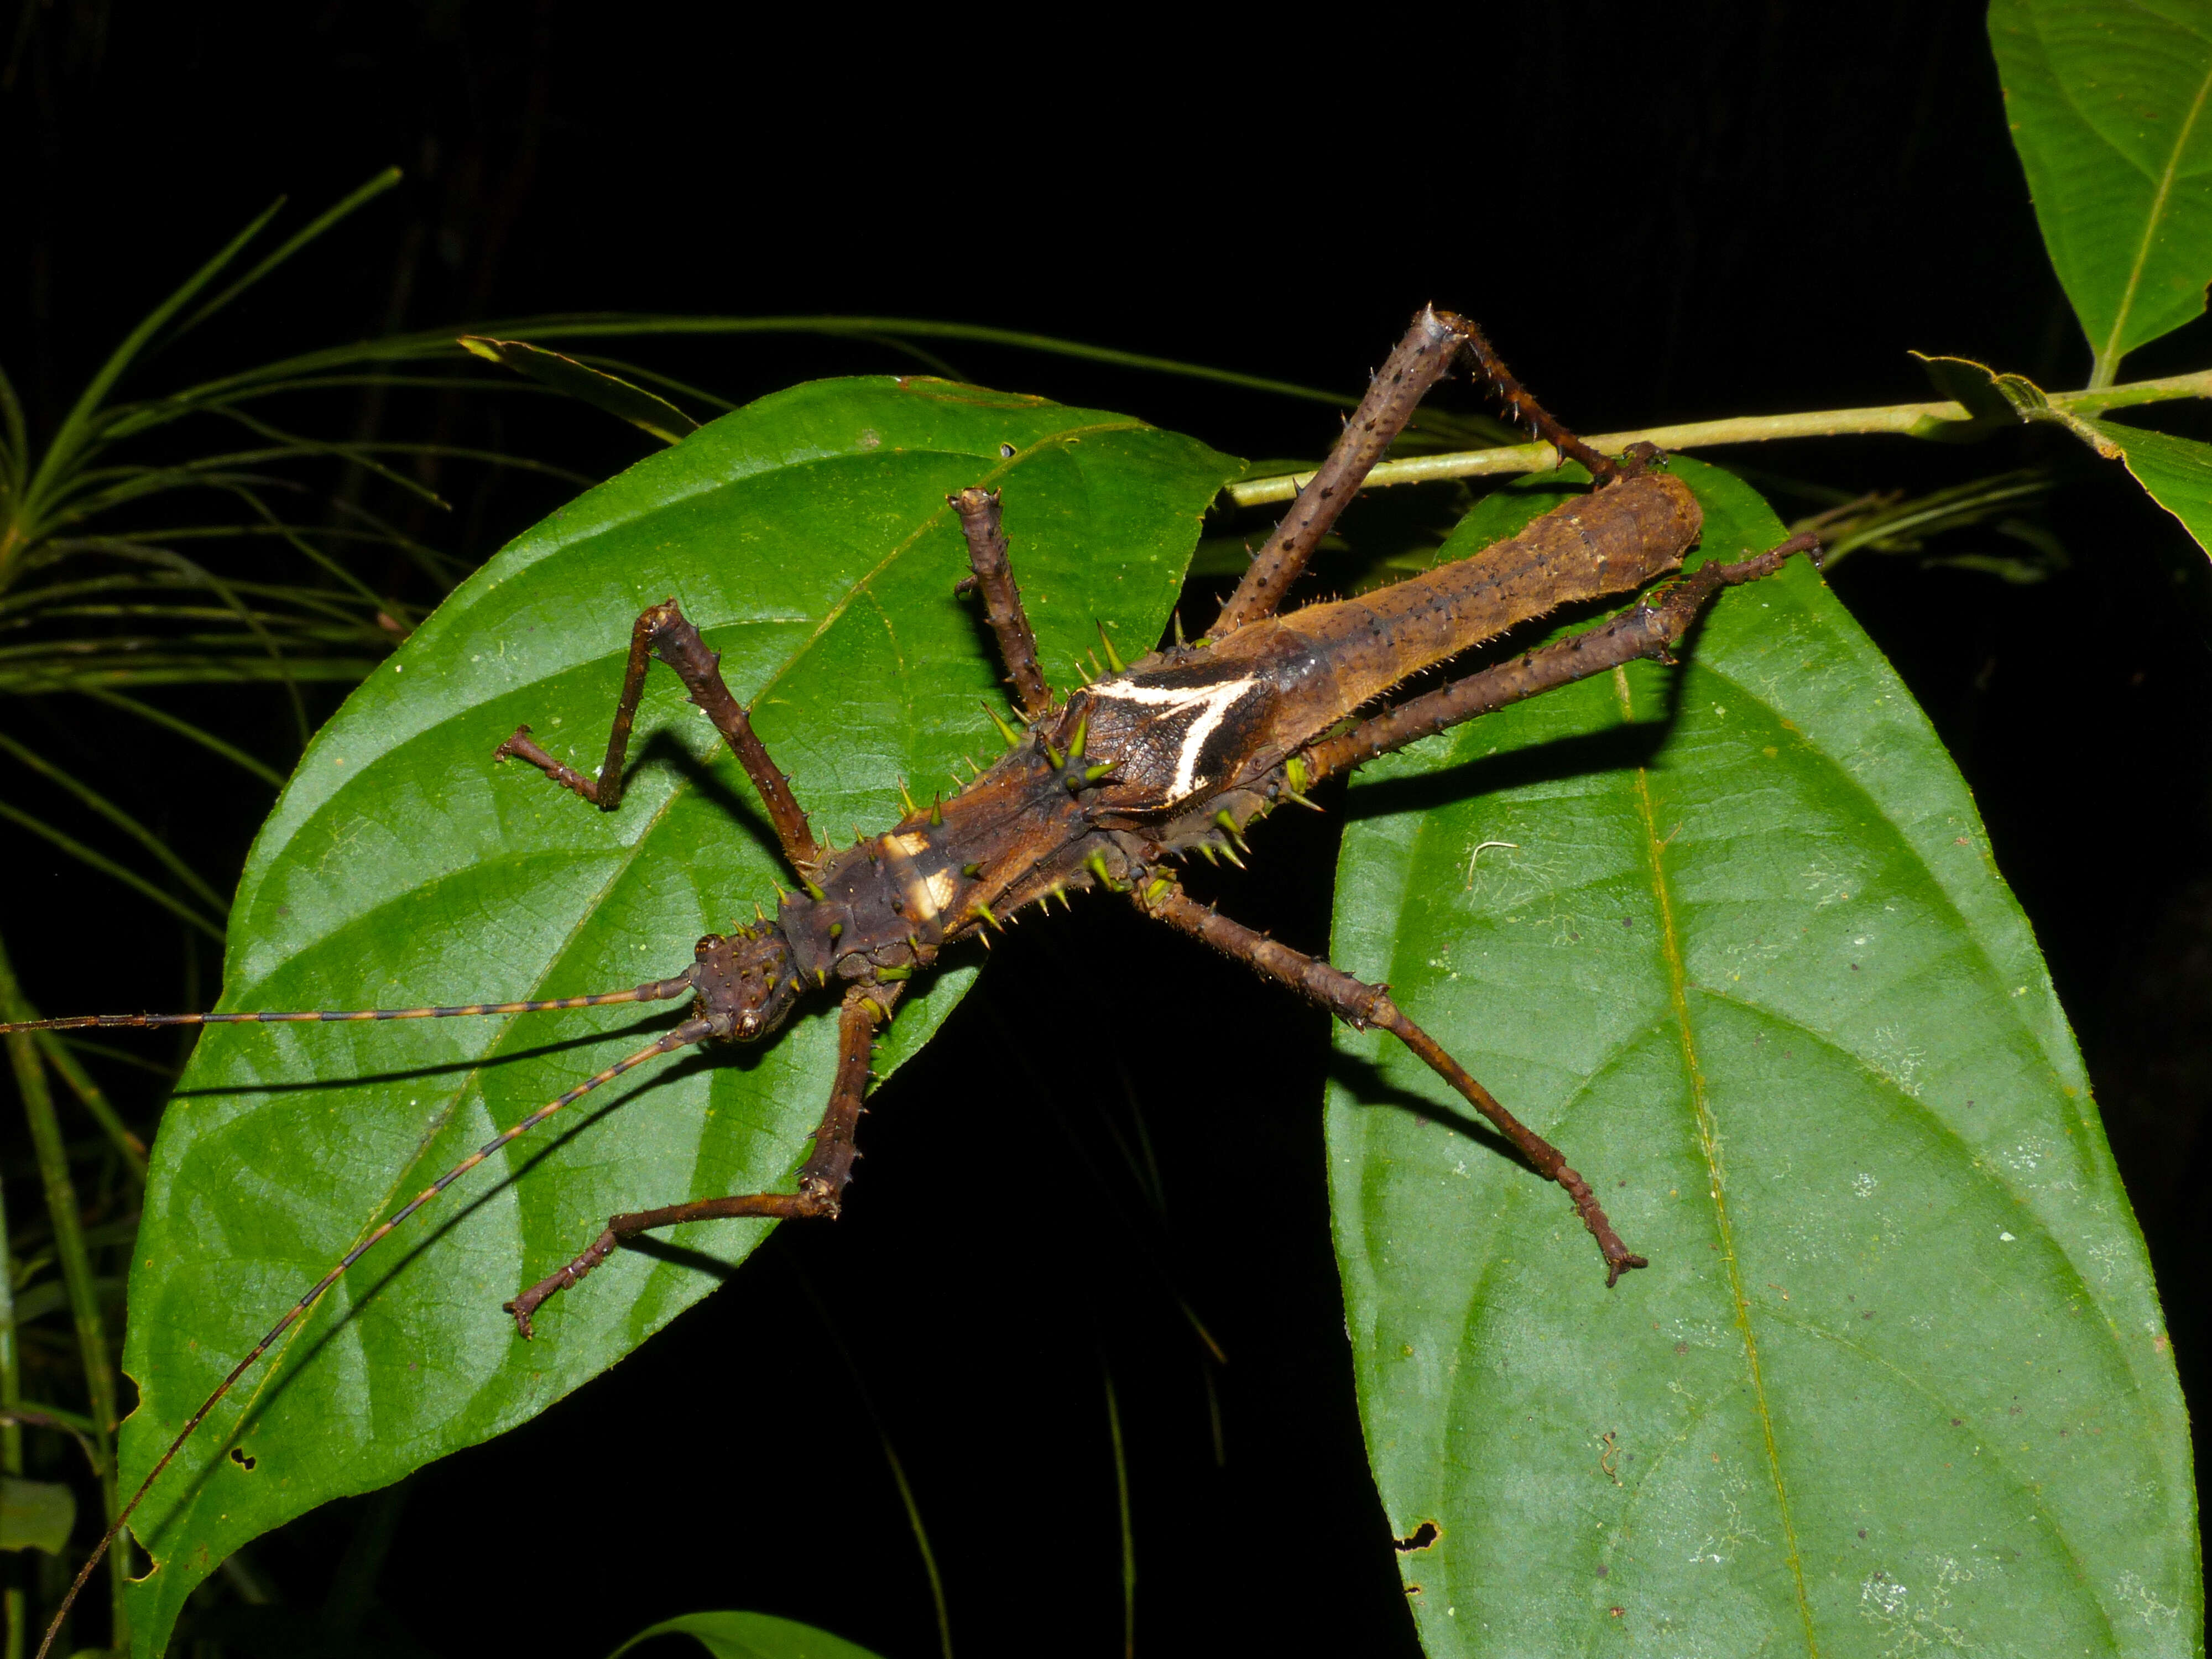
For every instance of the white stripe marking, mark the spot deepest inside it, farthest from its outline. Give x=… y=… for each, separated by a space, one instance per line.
x=1213 y=703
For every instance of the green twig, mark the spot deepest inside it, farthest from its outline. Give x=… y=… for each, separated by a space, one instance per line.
x=1908 y=419
x=94 y=1099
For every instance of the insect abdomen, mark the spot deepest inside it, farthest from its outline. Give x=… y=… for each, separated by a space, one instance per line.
x=1327 y=661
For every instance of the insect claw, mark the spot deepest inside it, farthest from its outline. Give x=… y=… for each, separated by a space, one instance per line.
x=1160 y=886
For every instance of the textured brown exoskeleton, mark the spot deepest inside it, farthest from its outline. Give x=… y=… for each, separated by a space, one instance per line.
x=1116 y=786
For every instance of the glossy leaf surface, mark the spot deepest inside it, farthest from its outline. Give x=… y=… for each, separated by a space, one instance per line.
x=1896 y=1380
x=2107 y=101
x=808 y=538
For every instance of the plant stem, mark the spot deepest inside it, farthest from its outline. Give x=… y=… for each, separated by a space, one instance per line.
x=1129 y=1532
x=1908 y=420
x=94 y=1099
x=76 y=1260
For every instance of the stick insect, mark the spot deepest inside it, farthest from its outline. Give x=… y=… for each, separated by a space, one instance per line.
x=1112 y=787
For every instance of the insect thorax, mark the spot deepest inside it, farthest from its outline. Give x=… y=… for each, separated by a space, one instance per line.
x=1176 y=732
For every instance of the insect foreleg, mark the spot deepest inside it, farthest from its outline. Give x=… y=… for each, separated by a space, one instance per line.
x=1421 y=360
x=662 y=632
x=822 y=1178
x=1002 y=600
x=1361 y=1005
x=1646 y=631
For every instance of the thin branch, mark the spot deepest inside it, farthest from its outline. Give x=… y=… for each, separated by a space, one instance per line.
x=1943 y=420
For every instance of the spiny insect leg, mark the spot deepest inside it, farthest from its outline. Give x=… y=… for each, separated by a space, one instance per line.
x=822 y=1178
x=1646 y=631
x=994 y=575
x=662 y=632
x=1361 y=1005
x=681 y=1037
x=1525 y=409
x=1421 y=360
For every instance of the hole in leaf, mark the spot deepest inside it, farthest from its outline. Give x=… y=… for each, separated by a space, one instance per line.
x=1419 y=1539
x=238 y=1456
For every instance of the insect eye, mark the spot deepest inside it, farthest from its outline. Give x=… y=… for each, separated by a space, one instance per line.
x=1006 y=451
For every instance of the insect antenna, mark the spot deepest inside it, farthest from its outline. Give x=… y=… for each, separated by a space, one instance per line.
x=681 y=1037
x=659 y=990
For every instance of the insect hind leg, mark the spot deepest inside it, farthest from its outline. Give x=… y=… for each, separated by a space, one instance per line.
x=1522 y=405
x=1361 y=1005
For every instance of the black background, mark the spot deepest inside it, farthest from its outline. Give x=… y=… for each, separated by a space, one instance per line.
x=1666 y=213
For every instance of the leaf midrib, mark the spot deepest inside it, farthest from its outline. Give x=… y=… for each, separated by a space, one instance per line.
x=2108 y=358
x=1708 y=1149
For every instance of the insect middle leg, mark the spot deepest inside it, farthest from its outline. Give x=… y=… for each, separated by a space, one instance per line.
x=663 y=632
x=822 y=1179
x=1002 y=601
x=1360 y=1005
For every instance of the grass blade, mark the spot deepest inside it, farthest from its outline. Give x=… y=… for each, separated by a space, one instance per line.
x=291 y=245
x=107 y=866
x=116 y=816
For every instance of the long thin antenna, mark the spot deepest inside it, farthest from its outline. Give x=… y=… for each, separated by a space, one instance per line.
x=659 y=990
x=690 y=1032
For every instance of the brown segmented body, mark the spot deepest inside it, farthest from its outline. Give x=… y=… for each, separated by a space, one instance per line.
x=1189 y=732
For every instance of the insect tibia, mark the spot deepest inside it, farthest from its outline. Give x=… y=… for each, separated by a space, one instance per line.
x=657 y=990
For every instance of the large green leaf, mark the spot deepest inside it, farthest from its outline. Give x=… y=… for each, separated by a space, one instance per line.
x=808 y=536
x=1896 y=1379
x=2107 y=104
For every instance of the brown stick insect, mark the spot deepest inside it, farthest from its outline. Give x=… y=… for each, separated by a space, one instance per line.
x=1111 y=788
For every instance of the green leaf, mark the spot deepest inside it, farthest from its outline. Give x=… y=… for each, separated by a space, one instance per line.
x=617 y=397
x=2107 y=101
x=752 y=1635
x=2176 y=472
x=808 y=536
x=1896 y=1378
x=35 y=1515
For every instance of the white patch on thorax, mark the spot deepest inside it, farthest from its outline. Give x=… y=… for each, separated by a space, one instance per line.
x=1211 y=704
x=938 y=890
